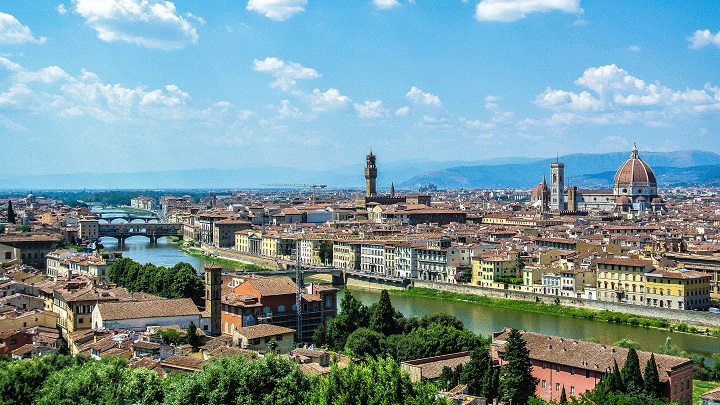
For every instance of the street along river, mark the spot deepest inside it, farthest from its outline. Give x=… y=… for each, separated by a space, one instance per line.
x=480 y=319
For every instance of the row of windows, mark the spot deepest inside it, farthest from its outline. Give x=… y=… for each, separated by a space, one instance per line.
x=615 y=276
x=557 y=369
x=557 y=387
x=682 y=385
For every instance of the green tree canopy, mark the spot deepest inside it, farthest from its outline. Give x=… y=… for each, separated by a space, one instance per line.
x=363 y=342
x=109 y=381
x=320 y=336
x=372 y=382
x=325 y=251
x=353 y=315
x=236 y=380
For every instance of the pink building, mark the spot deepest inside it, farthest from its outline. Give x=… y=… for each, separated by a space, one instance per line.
x=578 y=365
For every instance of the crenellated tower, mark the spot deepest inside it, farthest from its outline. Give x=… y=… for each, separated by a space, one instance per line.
x=370 y=175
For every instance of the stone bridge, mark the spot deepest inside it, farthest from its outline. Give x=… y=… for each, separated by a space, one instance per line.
x=126 y=216
x=152 y=230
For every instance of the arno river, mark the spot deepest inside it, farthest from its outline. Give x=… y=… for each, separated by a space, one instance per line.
x=479 y=319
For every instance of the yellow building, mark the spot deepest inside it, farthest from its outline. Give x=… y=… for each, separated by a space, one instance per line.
x=678 y=289
x=487 y=269
x=622 y=279
x=248 y=241
x=346 y=254
x=275 y=245
x=28 y=319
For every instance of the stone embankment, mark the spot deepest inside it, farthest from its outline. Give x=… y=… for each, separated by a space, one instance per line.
x=257 y=260
x=695 y=318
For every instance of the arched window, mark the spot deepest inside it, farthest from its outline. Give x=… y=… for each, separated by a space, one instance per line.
x=281 y=308
x=266 y=310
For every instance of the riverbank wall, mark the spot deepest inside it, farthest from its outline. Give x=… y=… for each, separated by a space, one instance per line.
x=261 y=261
x=694 y=318
x=371 y=284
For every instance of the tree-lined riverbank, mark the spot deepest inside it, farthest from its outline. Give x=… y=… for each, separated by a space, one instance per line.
x=539 y=307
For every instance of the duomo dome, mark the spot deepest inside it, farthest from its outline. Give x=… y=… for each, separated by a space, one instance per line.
x=635 y=179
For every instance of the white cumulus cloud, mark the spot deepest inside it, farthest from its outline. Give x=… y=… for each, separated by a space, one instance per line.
x=278 y=10
x=327 y=101
x=513 y=10
x=419 y=98
x=285 y=73
x=61 y=9
x=402 y=111
x=371 y=109
x=12 y=32
x=704 y=38
x=386 y=4
x=150 y=23
x=614 y=95
x=54 y=90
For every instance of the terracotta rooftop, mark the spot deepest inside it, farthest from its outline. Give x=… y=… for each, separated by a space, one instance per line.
x=183 y=362
x=267 y=286
x=263 y=330
x=620 y=261
x=588 y=355
x=712 y=394
x=680 y=274
x=432 y=367
x=147 y=309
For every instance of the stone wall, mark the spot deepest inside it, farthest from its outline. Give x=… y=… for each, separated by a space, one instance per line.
x=257 y=260
x=695 y=318
x=355 y=282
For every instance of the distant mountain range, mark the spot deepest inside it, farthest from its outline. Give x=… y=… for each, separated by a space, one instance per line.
x=583 y=170
x=682 y=168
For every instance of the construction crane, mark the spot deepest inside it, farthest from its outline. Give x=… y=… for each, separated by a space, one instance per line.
x=313 y=186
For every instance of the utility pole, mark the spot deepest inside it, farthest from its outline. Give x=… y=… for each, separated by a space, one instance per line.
x=299 y=284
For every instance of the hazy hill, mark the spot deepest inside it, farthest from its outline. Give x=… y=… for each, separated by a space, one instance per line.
x=584 y=170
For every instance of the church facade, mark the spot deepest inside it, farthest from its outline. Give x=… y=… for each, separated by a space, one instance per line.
x=634 y=189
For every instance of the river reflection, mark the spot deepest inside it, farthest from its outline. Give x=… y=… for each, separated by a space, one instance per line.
x=485 y=320
x=479 y=319
x=162 y=253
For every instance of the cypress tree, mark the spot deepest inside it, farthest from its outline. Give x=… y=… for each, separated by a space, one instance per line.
x=495 y=387
x=383 y=317
x=631 y=375
x=563 y=397
x=652 y=379
x=319 y=337
x=517 y=383
x=447 y=379
x=614 y=380
x=10 y=213
x=192 y=337
x=473 y=372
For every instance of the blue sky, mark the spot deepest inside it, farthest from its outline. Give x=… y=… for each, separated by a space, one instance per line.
x=134 y=85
